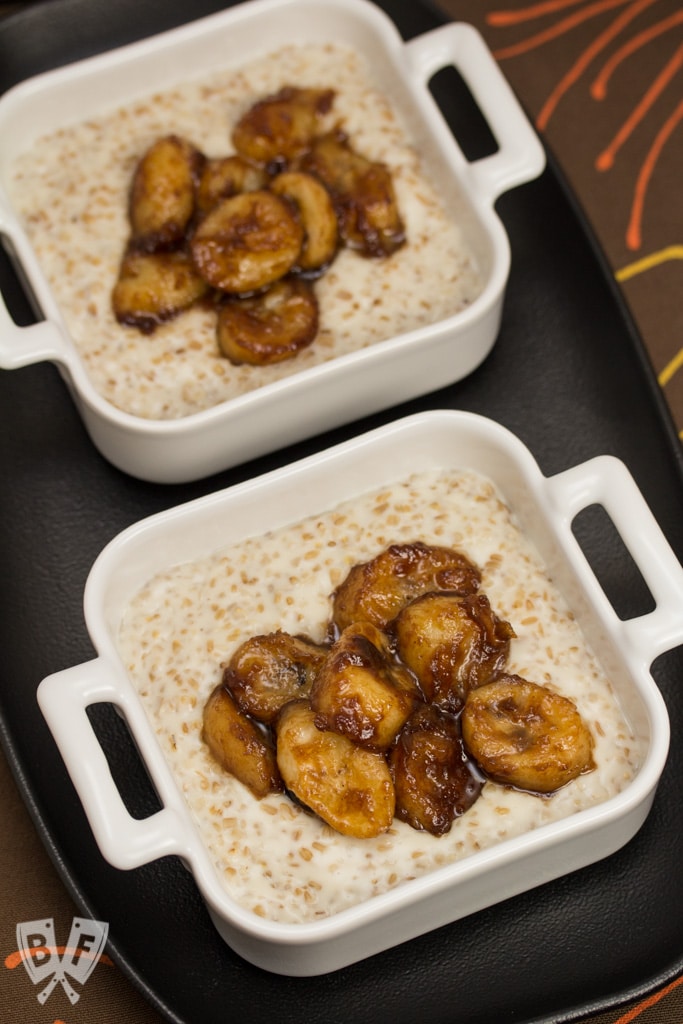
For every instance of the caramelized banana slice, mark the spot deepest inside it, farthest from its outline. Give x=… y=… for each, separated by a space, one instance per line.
x=223 y=177
x=433 y=779
x=280 y=127
x=239 y=746
x=247 y=242
x=524 y=735
x=363 y=194
x=375 y=591
x=348 y=787
x=361 y=691
x=271 y=327
x=162 y=193
x=318 y=217
x=452 y=642
x=154 y=287
x=268 y=670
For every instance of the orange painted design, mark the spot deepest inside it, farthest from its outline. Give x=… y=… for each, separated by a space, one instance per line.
x=606 y=158
x=19 y=955
x=501 y=18
x=633 y=232
x=590 y=11
x=647 y=1003
x=585 y=59
x=599 y=86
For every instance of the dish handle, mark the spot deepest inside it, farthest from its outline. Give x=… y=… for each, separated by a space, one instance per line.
x=606 y=481
x=520 y=156
x=35 y=343
x=125 y=841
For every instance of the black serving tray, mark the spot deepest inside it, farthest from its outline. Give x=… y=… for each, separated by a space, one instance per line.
x=570 y=376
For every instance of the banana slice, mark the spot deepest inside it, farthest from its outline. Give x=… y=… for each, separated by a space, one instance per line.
x=239 y=746
x=154 y=287
x=434 y=781
x=163 y=193
x=453 y=643
x=247 y=242
x=375 y=591
x=319 y=220
x=525 y=735
x=278 y=128
x=348 y=787
x=269 y=670
x=363 y=194
x=223 y=177
x=271 y=327
x=361 y=691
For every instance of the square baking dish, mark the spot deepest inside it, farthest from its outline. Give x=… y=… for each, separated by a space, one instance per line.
x=330 y=393
x=545 y=509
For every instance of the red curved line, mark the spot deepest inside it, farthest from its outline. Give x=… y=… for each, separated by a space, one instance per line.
x=19 y=955
x=606 y=158
x=647 y=1003
x=580 y=65
x=599 y=86
x=633 y=233
x=502 y=18
x=591 y=11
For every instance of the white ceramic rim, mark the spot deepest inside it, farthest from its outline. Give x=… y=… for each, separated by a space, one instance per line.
x=482 y=181
x=560 y=497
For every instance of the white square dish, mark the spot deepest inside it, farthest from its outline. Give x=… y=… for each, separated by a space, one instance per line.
x=344 y=388
x=545 y=509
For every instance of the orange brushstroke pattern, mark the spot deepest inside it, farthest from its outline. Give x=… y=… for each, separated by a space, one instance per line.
x=587 y=57
x=599 y=87
x=633 y=232
x=19 y=955
x=529 y=13
x=591 y=11
x=647 y=1003
x=605 y=159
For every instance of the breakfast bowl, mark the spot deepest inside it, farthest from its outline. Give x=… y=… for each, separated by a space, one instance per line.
x=166 y=406
x=171 y=599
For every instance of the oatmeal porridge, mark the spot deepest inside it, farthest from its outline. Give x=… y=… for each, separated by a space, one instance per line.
x=272 y=856
x=71 y=192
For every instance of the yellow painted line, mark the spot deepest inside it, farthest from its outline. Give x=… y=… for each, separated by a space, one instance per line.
x=672 y=252
x=671 y=368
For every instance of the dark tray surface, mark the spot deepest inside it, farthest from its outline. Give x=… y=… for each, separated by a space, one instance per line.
x=569 y=375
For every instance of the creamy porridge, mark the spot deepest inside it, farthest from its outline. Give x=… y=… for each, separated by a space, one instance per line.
x=272 y=856
x=71 y=191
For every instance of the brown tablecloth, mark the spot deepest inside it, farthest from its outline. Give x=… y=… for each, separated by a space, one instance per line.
x=602 y=81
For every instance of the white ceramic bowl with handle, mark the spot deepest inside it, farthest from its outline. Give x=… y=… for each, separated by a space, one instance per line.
x=545 y=508
x=345 y=388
